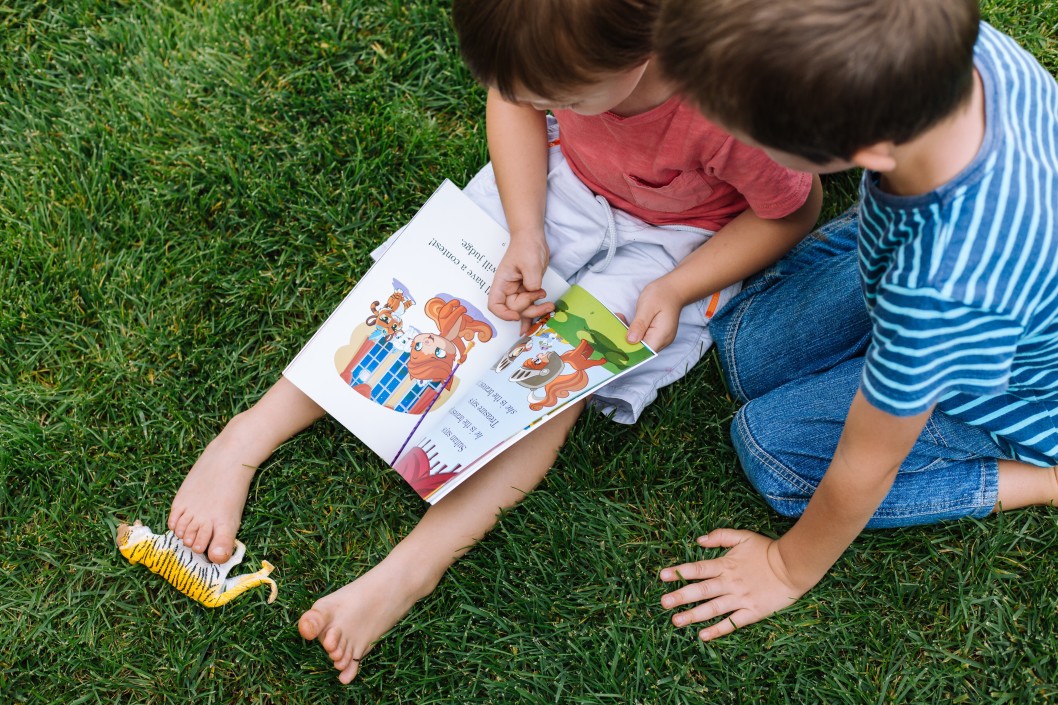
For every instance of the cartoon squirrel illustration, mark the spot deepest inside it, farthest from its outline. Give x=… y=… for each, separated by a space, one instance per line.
x=525 y=344
x=542 y=375
x=191 y=573
x=388 y=318
x=434 y=355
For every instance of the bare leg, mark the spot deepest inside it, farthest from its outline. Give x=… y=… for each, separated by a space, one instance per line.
x=1024 y=485
x=208 y=506
x=349 y=621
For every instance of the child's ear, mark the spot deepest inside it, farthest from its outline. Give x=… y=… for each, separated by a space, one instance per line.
x=876 y=157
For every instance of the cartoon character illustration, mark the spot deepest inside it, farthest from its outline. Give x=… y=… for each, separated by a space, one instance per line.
x=543 y=374
x=548 y=339
x=398 y=299
x=388 y=318
x=401 y=340
x=405 y=367
x=434 y=356
x=523 y=344
x=538 y=370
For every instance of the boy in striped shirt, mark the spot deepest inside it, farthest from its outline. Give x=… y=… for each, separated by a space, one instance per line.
x=901 y=367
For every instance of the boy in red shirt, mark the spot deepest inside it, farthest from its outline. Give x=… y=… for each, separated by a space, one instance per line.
x=640 y=200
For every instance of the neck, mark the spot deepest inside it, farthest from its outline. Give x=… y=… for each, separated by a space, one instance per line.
x=651 y=91
x=937 y=156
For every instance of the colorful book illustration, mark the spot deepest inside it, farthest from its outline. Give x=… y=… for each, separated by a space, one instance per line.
x=413 y=363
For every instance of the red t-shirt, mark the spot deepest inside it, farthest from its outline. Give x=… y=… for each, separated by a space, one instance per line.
x=670 y=165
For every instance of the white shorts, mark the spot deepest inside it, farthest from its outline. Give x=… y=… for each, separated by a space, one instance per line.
x=614 y=255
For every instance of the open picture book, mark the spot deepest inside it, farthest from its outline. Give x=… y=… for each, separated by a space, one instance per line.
x=416 y=366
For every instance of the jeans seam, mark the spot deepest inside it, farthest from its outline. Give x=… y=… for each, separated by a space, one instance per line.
x=927 y=509
x=933 y=429
x=981 y=507
x=776 y=468
x=727 y=350
x=989 y=499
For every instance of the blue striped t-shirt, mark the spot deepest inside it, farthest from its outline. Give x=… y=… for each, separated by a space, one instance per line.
x=962 y=282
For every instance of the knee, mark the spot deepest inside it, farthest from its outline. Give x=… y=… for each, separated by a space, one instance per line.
x=752 y=364
x=776 y=474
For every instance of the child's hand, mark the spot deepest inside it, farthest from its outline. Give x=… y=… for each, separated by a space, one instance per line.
x=748 y=583
x=657 y=316
x=516 y=285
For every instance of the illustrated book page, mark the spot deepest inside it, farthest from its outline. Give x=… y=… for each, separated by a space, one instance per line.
x=413 y=363
x=564 y=357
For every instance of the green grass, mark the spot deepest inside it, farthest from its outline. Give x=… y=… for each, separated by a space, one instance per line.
x=186 y=190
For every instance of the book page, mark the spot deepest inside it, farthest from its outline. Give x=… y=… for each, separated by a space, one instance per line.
x=564 y=357
x=415 y=333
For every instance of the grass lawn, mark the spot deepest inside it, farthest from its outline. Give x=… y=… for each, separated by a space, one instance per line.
x=186 y=190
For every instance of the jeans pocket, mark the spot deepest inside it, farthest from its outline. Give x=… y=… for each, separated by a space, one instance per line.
x=954 y=440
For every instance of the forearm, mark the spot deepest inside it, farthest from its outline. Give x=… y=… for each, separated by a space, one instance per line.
x=518 y=148
x=759 y=576
x=741 y=248
x=868 y=456
x=838 y=511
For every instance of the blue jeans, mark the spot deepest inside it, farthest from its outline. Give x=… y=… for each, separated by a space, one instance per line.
x=791 y=345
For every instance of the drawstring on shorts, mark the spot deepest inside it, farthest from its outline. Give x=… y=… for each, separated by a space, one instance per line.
x=609 y=238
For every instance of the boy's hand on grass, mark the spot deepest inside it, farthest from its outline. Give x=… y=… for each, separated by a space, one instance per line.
x=516 y=285
x=657 y=316
x=747 y=584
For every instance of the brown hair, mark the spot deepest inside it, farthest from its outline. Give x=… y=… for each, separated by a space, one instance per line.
x=551 y=46
x=821 y=79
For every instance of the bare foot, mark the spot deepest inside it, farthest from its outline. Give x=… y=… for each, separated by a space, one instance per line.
x=208 y=506
x=1023 y=485
x=349 y=621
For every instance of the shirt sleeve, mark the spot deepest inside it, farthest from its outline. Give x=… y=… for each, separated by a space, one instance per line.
x=772 y=191
x=925 y=346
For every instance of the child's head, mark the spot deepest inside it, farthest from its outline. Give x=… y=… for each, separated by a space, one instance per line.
x=566 y=53
x=821 y=79
x=432 y=357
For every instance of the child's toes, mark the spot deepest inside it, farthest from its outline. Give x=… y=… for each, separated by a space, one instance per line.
x=345 y=661
x=310 y=625
x=174 y=518
x=348 y=674
x=196 y=535
x=186 y=528
x=193 y=539
x=221 y=544
x=331 y=641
